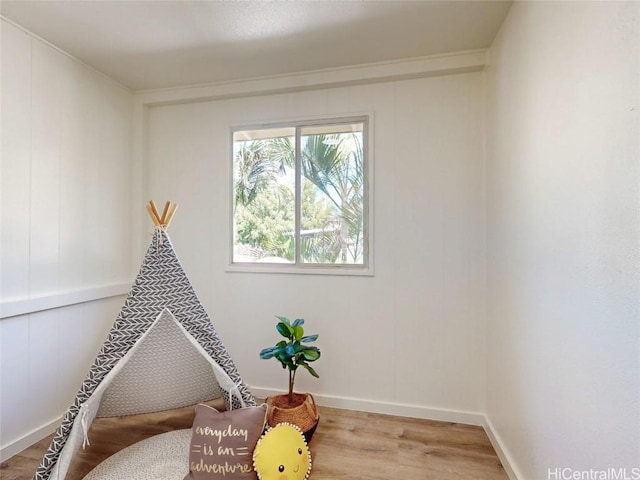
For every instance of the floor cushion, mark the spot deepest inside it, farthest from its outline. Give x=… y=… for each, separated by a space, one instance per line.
x=161 y=457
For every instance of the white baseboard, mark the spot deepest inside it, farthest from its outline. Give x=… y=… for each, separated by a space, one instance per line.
x=388 y=408
x=503 y=454
x=8 y=451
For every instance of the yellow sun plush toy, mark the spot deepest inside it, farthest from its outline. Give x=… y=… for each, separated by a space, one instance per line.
x=282 y=454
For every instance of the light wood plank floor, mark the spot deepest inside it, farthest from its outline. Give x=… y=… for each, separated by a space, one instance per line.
x=347 y=445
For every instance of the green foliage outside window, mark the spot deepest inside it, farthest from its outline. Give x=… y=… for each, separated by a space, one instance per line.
x=331 y=203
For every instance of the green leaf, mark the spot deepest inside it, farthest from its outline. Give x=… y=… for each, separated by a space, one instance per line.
x=311 y=354
x=292 y=349
x=310 y=370
x=267 y=353
x=284 y=329
x=284 y=320
x=298 y=332
x=285 y=360
x=309 y=338
x=298 y=321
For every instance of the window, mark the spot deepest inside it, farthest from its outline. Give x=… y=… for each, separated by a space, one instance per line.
x=300 y=195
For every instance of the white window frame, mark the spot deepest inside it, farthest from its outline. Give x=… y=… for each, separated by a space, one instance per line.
x=364 y=269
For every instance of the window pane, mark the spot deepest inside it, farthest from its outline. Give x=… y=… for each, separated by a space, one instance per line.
x=264 y=196
x=332 y=204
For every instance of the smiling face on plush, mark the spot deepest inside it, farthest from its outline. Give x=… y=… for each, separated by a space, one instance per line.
x=282 y=454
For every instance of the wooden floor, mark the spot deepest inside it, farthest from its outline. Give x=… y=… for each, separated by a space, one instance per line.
x=347 y=445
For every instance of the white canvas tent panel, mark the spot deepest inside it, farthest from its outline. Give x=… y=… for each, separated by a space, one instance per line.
x=164 y=371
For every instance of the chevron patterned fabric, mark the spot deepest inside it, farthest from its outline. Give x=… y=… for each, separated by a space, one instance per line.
x=161 y=283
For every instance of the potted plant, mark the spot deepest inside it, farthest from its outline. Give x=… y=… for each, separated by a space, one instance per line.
x=293 y=353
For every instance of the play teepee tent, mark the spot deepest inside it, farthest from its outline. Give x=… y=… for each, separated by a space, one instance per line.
x=161 y=353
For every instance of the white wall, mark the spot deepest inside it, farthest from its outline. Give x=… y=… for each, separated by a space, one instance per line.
x=408 y=340
x=66 y=228
x=562 y=172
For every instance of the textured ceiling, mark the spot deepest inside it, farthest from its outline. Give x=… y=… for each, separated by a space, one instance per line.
x=156 y=44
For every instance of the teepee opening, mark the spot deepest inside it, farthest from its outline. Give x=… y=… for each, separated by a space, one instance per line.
x=163 y=370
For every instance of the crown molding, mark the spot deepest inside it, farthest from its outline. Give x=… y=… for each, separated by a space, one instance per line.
x=431 y=66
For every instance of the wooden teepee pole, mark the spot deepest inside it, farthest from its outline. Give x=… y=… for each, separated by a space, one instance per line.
x=168 y=212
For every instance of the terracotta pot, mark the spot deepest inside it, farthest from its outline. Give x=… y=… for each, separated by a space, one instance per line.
x=302 y=412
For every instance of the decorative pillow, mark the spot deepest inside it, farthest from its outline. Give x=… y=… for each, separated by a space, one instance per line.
x=282 y=454
x=222 y=443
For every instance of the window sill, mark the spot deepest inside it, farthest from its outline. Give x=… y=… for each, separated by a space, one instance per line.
x=354 y=271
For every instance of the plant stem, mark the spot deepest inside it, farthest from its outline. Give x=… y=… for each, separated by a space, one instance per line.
x=292 y=377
